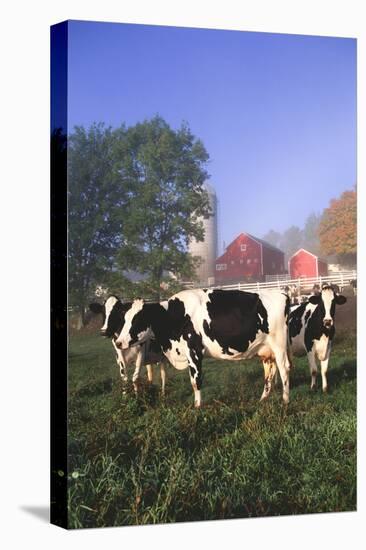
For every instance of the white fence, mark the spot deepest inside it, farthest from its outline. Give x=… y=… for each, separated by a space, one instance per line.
x=303 y=285
x=271 y=278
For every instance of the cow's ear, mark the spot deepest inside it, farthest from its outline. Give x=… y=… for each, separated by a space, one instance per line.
x=96 y=308
x=340 y=300
x=315 y=299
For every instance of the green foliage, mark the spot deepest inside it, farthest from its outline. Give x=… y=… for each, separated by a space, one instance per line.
x=273 y=238
x=149 y=460
x=163 y=172
x=95 y=203
x=311 y=234
x=338 y=228
x=135 y=193
x=294 y=237
x=130 y=290
x=291 y=240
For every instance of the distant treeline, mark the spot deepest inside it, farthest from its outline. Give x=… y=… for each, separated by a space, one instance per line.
x=331 y=234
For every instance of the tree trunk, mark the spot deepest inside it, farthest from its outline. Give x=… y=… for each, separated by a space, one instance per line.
x=82 y=314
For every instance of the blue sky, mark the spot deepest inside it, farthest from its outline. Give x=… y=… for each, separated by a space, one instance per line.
x=276 y=112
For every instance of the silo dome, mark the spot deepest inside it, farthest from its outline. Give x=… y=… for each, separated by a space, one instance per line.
x=207 y=249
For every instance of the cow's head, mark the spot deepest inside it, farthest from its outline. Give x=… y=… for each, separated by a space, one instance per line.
x=142 y=322
x=326 y=301
x=316 y=289
x=136 y=327
x=113 y=315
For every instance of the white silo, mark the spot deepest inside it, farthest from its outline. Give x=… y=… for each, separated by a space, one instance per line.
x=207 y=249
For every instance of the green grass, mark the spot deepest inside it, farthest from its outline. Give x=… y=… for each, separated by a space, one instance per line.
x=148 y=460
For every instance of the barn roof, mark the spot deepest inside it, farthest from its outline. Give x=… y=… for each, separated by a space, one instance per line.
x=264 y=243
x=308 y=252
x=259 y=241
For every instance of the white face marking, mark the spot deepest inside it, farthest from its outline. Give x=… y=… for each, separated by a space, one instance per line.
x=327 y=297
x=124 y=338
x=112 y=300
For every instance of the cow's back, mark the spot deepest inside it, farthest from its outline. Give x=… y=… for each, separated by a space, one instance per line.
x=237 y=324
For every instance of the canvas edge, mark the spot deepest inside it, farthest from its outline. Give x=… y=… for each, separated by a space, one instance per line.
x=58 y=275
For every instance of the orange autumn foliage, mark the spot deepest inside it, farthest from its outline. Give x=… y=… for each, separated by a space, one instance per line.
x=337 y=228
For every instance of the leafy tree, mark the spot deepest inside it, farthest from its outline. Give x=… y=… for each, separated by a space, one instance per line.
x=95 y=201
x=273 y=238
x=291 y=240
x=163 y=172
x=338 y=229
x=311 y=234
x=135 y=194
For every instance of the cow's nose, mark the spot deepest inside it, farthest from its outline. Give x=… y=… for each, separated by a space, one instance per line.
x=119 y=344
x=328 y=323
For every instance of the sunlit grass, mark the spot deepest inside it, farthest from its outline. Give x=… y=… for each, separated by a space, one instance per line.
x=149 y=460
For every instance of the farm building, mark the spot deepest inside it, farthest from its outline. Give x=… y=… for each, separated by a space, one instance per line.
x=305 y=264
x=248 y=258
x=207 y=249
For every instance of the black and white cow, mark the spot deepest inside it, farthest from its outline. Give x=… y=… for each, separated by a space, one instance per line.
x=224 y=324
x=292 y=292
x=113 y=312
x=312 y=327
x=316 y=290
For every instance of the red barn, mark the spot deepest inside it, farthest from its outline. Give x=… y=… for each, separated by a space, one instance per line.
x=305 y=264
x=248 y=258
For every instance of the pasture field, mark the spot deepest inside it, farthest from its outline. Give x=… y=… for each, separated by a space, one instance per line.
x=148 y=460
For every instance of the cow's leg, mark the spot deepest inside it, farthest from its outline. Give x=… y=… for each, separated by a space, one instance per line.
x=122 y=366
x=195 y=372
x=149 y=373
x=163 y=378
x=270 y=371
x=196 y=385
x=313 y=368
x=122 y=371
x=283 y=365
x=324 y=368
x=136 y=374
